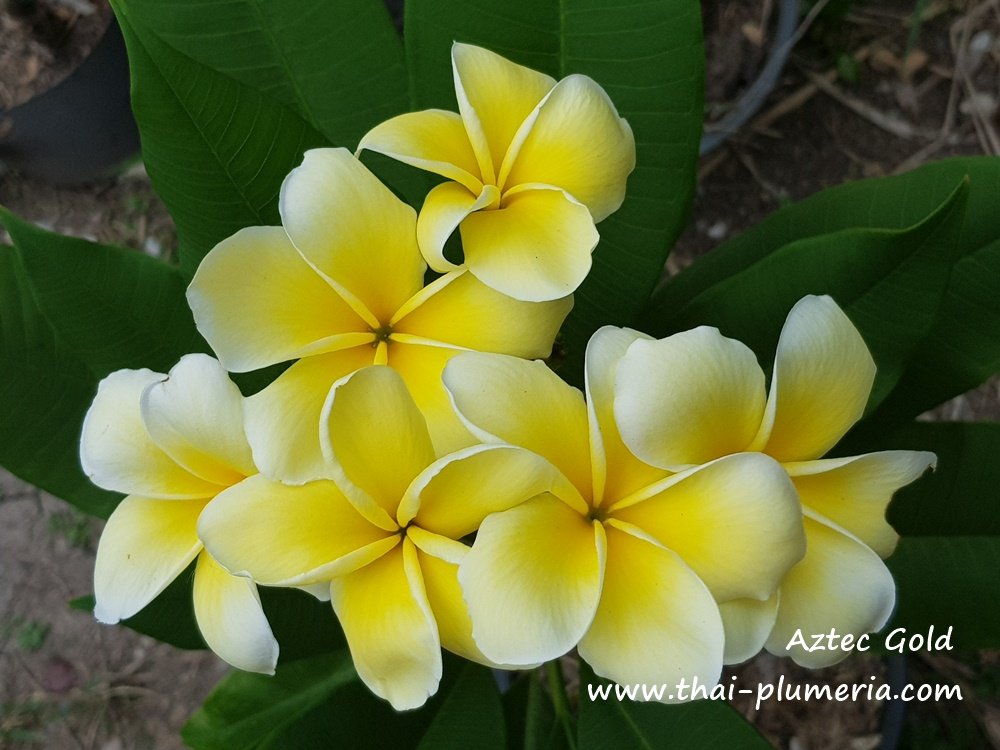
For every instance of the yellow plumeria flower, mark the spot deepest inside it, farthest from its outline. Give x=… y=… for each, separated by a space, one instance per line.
x=698 y=395
x=171 y=443
x=533 y=164
x=340 y=285
x=382 y=536
x=622 y=559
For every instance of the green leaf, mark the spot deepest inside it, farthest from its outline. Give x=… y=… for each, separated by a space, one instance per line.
x=623 y=724
x=216 y=149
x=246 y=710
x=883 y=203
x=948 y=581
x=962 y=350
x=337 y=63
x=111 y=306
x=320 y=703
x=471 y=715
x=960 y=496
x=945 y=565
x=303 y=625
x=45 y=391
x=889 y=282
x=531 y=721
x=649 y=58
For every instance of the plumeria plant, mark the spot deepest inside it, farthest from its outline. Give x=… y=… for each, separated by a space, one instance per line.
x=413 y=430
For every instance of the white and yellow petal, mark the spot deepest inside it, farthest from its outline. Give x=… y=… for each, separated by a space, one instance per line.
x=577 y=142
x=445 y=207
x=617 y=471
x=283 y=420
x=196 y=416
x=117 y=452
x=688 y=398
x=433 y=139
x=736 y=522
x=519 y=402
x=536 y=246
x=283 y=535
x=657 y=622
x=748 y=623
x=823 y=374
x=455 y=493
x=420 y=366
x=229 y=615
x=855 y=492
x=461 y=311
x=495 y=96
x=353 y=230
x=145 y=545
x=840 y=584
x=444 y=596
x=257 y=303
x=390 y=629
x=375 y=438
x=533 y=581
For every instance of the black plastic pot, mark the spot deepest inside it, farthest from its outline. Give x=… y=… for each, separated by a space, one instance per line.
x=82 y=128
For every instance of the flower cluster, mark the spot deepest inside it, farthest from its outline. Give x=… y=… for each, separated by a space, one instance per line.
x=419 y=467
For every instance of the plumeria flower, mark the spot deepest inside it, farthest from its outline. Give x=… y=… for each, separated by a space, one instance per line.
x=697 y=396
x=621 y=559
x=340 y=286
x=533 y=165
x=382 y=536
x=171 y=443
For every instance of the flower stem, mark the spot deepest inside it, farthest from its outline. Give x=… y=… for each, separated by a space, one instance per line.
x=560 y=702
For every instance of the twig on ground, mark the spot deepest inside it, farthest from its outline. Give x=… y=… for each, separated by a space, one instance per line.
x=804 y=93
x=983 y=712
x=889 y=123
x=777 y=193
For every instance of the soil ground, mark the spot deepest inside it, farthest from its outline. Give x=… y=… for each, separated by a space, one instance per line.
x=874 y=92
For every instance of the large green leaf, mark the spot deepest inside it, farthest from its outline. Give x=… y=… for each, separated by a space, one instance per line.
x=948 y=581
x=216 y=149
x=320 y=703
x=946 y=563
x=471 y=715
x=45 y=390
x=649 y=58
x=75 y=311
x=890 y=282
x=962 y=350
x=168 y=618
x=337 y=63
x=627 y=725
x=883 y=203
x=110 y=306
x=303 y=625
x=531 y=720
x=960 y=496
x=246 y=710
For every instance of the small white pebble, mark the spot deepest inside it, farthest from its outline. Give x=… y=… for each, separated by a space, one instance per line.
x=981 y=43
x=718 y=230
x=152 y=246
x=980 y=103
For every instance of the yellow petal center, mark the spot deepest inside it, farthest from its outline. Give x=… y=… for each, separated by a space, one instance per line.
x=382 y=334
